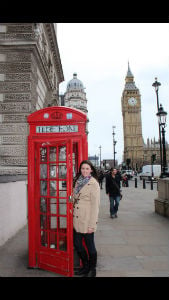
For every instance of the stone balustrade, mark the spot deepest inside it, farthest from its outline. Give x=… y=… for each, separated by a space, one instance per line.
x=162 y=202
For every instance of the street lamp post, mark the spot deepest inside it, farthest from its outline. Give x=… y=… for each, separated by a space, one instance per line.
x=153 y=158
x=164 y=152
x=162 y=123
x=114 y=144
x=156 y=84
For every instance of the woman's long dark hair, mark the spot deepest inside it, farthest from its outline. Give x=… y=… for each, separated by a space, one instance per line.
x=93 y=173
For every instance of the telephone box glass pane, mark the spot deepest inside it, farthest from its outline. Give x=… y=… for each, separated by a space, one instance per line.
x=62 y=242
x=53 y=188
x=53 y=206
x=44 y=238
x=62 y=193
x=43 y=222
x=43 y=171
x=62 y=188
x=53 y=222
x=74 y=167
x=43 y=187
x=52 y=171
x=75 y=159
x=62 y=207
x=52 y=154
x=43 y=205
x=43 y=154
x=53 y=240
x=62 y=153
x=62 y=171
x=63 y=223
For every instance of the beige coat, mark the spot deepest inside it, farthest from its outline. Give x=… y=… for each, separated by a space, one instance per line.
x=86 y=207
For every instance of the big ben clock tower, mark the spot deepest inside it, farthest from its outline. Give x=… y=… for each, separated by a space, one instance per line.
x=132 y=125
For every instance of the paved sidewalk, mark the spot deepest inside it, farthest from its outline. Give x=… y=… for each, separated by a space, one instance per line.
x=137 y=242
x=134 y=244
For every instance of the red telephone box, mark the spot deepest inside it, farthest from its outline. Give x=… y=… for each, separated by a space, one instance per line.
x=57 y=143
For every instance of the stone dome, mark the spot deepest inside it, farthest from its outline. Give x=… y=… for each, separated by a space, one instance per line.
x=75 y=84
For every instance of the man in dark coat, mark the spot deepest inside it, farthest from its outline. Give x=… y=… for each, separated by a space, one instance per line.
x=100 y=177
x=113 y=191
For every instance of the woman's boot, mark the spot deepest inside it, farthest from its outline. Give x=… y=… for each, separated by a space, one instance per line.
x=92 y=265
x=85 y=269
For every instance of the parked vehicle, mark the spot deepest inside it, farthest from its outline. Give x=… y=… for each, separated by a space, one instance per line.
x=129 y=173
x=147 y=171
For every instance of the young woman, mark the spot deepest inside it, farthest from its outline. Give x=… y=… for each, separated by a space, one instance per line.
x=85 y=216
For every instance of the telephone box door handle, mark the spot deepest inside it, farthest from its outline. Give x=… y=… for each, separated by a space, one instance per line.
x=70 y=199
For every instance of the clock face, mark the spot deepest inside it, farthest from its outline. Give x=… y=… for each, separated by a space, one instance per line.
x=132 y=101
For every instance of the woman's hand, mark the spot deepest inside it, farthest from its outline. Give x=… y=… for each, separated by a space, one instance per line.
x=90 y=230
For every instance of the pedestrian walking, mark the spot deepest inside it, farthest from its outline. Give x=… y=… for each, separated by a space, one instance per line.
x=113 y=191
x=100 y=177
x=124 y=180
x=86 y=197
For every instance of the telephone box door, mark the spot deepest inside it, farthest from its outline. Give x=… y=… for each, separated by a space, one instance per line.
x=54 y=211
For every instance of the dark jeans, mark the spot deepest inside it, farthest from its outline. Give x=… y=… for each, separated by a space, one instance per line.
x=89 y=242
x=101 y=183
x=114 y=204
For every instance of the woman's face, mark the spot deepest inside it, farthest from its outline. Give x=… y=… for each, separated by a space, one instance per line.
x=114 y=172
x=86 y=170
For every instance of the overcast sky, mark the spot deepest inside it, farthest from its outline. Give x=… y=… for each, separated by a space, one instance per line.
x=99 y=54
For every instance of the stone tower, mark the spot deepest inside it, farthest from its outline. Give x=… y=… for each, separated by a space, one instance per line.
x=75 y=95
x=132 y=125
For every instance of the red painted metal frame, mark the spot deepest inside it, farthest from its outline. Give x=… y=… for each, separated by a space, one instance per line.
x=53 y=259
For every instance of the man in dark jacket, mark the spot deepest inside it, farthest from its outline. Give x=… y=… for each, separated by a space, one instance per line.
x=113 y=191
x=100 y=177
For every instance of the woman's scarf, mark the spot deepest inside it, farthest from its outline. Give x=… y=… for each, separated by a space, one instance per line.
x=81 y=182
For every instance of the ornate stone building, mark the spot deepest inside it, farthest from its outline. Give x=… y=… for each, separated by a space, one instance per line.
x=30 y=73
x=75 y=95
x=135 y=148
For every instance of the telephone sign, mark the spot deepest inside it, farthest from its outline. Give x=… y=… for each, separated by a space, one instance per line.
x=55 y=129
x=57 y=143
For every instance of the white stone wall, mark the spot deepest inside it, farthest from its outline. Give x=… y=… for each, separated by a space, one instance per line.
x=13 y=209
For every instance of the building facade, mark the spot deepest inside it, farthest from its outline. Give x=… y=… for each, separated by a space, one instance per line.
x=30 y=73
x=135 y=149
x=94 y=160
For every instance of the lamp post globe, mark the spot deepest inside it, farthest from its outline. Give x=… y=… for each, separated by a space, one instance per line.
x=156 y=84
x=162 y=115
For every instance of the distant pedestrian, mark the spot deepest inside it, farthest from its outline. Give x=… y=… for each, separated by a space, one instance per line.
x=100 y=177
x=124 y=180
x=113 y=191
x=85 y=216
x=118 y=174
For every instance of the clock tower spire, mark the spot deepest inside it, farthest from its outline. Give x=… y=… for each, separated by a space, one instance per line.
x=129 y=74
x=132 y=125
